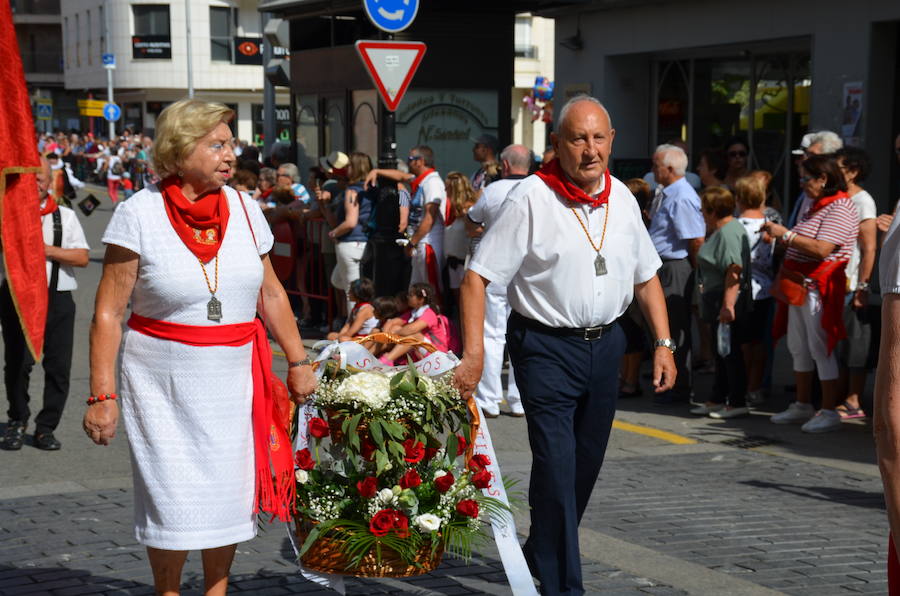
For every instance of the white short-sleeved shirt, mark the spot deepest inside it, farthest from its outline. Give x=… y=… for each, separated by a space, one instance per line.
x=538 y=249
x=431 y=190
x=889 y=262
x=72 y=237
x=865 y=206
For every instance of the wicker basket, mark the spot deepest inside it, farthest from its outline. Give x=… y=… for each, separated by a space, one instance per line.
x=325 y=555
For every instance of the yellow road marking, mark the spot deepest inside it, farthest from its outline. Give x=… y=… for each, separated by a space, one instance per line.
x=653 y=432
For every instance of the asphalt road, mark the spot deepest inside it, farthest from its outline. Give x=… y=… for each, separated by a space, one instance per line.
x=684 y=505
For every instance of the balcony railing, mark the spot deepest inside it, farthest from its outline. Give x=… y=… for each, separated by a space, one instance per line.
x=35 y=7
x=526 y=51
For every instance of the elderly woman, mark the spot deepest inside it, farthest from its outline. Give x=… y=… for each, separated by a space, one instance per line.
x=811 y=287
x=723 y=265
x=190 y=256
x=265 y=184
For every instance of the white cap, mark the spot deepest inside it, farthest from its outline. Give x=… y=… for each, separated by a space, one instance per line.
x=804 y=144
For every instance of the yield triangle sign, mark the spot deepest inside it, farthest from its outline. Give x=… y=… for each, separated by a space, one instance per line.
x=391 y=64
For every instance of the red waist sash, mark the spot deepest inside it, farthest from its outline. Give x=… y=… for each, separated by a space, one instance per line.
x=831 y=282
x=272 y=445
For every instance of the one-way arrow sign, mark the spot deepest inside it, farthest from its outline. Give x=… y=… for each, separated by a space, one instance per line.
x=391 y=64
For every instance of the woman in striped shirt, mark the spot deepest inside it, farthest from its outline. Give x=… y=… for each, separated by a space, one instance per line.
x=811 y=288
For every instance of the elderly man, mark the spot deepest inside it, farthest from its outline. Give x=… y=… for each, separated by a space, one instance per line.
x=289 y=175
x=65 y=247
x=515 y=160
x=677 y=229
x=571 y=248
x=813 y=143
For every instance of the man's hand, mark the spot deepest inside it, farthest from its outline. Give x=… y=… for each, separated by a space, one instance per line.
x=884 y=222
x=467 y=375
x=100 y=421
x=409 y=250
x=371 y=178
x=860 y=299
x=301 y=382
x=664 y=370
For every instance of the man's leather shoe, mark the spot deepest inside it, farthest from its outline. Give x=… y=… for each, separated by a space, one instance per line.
x=47 y=442
x=14 y=435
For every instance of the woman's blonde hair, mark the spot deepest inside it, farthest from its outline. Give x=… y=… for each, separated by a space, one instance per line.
x=717 y=200
x=180 y=126
x=360 y=166
x=750 y=190
x=460 y=192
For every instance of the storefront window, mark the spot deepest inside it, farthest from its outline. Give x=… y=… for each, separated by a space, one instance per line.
x=307 y=132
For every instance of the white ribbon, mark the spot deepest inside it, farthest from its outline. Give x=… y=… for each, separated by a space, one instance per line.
x=350 y=353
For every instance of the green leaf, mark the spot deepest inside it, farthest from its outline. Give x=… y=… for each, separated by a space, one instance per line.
x=452 y=446
x=375 y=429
x=381 y=462
x=396 y=449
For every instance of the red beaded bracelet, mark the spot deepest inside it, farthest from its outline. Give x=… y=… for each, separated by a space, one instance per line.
x=92 y=400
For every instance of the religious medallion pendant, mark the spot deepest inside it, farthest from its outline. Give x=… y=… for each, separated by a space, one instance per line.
x=214 y=309
x=599 y=265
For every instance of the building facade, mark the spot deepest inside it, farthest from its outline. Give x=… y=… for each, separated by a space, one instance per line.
x=768 y=71
x=149 y=42
x=534 y=51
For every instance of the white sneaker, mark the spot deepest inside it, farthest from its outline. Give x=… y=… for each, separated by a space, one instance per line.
x=725 y=413
x=795 y=414
x=823 y=422
x=515 y=408
x=703 y=409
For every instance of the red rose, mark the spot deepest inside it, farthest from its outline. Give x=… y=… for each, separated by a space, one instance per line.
x=410 y=480
x=461 y=445
x=415 y=450
x=481 y=479
x=319 y=428
x=430 y=452
x=304 y=460
x=367 y=487
x=367 y=449
x=443 y=483
x=479 y=461
x=468 y=507
x=388 y=520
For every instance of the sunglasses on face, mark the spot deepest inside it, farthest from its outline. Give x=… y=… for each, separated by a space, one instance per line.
x=737 y=154
x=805 y=179
x=413 y=157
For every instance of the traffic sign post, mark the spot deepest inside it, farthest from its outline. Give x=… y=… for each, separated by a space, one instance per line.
x=391 y=64
x=391 y=16
x=44 y=109
x=112 y=112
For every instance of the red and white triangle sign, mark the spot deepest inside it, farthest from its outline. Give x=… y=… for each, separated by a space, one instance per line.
x=391 y=64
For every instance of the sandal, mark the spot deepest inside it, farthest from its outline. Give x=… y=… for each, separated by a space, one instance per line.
x=848 y=412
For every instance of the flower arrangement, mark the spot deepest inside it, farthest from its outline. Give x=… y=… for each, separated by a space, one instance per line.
x=386 y=472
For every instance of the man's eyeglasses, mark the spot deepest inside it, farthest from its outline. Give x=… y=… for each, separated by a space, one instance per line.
x=737 y=154
x=805 y=179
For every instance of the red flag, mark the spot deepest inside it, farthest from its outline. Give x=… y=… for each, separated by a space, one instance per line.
x=22 y=239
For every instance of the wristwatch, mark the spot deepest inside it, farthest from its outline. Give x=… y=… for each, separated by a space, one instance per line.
x=305 y=362
x=666 y=342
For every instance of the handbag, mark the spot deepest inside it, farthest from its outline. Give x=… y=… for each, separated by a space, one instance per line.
x=789 y=287
x=284 y=408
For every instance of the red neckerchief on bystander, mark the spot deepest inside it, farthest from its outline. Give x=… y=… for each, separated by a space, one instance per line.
x=553 y=176
x=825 y=201
x=418 y=180
x=201 y=224
x=49 y=206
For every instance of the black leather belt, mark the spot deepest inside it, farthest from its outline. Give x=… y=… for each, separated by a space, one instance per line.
x=585 y=333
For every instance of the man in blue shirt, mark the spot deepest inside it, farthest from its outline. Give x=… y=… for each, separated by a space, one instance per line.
x=677 y=229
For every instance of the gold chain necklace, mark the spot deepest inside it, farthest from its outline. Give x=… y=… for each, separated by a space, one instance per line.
x=599 y=262
x=213 y=307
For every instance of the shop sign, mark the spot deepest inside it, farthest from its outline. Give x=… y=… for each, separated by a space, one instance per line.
x=151 y=47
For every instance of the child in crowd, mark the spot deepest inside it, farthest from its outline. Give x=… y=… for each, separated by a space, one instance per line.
x=127 y=185
x=361 y=321
x=425 y=323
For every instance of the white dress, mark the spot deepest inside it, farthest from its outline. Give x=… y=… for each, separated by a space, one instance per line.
x=187 y=409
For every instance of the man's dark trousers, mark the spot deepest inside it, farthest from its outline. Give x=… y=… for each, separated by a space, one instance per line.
x=569 y=388
x=57 y=362
x=677 y=279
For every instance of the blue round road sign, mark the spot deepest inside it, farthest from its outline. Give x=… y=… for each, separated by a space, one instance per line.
x=112 y=112
x=391 y=15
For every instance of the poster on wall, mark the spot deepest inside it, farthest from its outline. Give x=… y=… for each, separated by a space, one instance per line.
x=151 y=47
x=448 y=122
x=248 y=50
x=852 y=107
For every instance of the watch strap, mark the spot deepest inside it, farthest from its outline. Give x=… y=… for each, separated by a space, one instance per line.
x=305 y=362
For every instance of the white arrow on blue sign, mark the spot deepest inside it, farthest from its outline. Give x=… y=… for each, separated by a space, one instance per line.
x=391 y=16
x=109 y=61
x=112 y=112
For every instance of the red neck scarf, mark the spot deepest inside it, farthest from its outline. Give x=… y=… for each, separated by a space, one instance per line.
x=418 y=180
x=49 y=206
x=825 y=201
x=201 y=224
x=271 y=443
x=553 y=176
x=265 y=194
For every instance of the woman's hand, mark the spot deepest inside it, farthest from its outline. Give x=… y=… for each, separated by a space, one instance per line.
x=884 y=222
x=100 y=421
x=726 y=314
x=301 y=382
x=774 y=230
x=371 y=178
x=860 y=299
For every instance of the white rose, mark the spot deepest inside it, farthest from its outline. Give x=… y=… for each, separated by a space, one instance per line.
x=370 y=388
x=439 y=473
x=302 y=476
x=428 y=522
x=385 y=495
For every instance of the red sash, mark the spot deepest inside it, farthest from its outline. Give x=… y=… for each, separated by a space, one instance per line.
x=831 y=282
x=272 y=445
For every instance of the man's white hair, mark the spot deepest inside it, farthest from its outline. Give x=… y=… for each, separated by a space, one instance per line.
x=673 y=157
x=291 y=170
x=518 y=157
x=564 y=112
x=829 y=140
